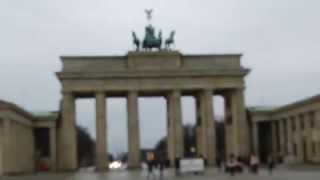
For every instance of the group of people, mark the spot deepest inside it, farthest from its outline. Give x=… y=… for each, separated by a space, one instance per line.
x=233 y=164
x=237 y=164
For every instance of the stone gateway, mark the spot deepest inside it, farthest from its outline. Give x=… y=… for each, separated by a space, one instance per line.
x=169 y=74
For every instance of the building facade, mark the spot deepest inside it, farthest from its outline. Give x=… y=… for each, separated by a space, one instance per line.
x=291 y=132
x=19 y=150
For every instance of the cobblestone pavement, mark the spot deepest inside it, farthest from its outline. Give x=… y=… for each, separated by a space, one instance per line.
x=296 y=173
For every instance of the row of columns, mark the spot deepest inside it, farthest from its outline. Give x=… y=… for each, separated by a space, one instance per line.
x=206 y=141
x=291 y=140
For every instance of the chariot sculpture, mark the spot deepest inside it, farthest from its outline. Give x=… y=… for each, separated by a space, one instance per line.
x=150 y=40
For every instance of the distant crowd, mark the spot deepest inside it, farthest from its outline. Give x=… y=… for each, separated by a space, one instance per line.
x=232 y=165
x=235 y=164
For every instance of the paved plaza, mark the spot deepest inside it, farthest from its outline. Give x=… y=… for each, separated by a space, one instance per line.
x=293 y=173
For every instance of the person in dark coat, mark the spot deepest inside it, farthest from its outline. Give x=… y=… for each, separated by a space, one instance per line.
x=150 y=164
x=271 y=163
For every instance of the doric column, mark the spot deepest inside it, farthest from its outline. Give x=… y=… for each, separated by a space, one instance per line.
x=175 y=129
x=206 y=140
x=308 y=136
x=281 y=136
x=255 y=126
x=67 y=147
x=298 y=139
x=239 y=124
x=274 y=138
x=5 y=138
x=289 y=143
x=53 y=148
x=101 y=128
x=133 y=130
x=317 y=133
x=228 y=126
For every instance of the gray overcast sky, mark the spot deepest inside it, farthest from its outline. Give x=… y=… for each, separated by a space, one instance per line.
x=279 y=39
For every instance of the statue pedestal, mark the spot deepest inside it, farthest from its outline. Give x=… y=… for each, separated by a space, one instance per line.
x=160 y=60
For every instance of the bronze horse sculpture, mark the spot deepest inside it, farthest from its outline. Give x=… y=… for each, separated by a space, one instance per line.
x=136 y=41
x=170 y=40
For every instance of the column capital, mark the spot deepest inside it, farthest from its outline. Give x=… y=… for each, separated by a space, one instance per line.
x=174 y=93
x=134 y=91
x=208 y=92
x=67 y=93
x=100 y=92
x=208 y=89
x=239 y=89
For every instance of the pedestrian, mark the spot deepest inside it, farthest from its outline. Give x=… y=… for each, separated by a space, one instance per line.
x=231 y=165
x=218 y=162
x=254 y=163
x=177 y=166
x=150 y=164
x=271 y=163
x=161 y=166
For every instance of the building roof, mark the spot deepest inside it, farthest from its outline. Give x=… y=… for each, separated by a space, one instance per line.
x=303 y=102
x=262 y=108
x=34 y=115
x=4 y=105
x=45 y=115
x=275 y=109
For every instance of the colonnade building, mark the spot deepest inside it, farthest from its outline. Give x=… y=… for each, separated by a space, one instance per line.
x=27 y=140
x=290 y=132
x=167 y=74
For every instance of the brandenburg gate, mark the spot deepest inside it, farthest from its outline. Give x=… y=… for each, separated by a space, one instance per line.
x=165 y=73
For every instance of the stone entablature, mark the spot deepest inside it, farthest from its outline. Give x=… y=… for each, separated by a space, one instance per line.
x=151 y=71
x=150 y=60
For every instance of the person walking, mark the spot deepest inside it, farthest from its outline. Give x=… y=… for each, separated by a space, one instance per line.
x=271 y=163
x=254 y=164
x=161 y=166
x=231 y=165
x=219 y=162
x=150 y=164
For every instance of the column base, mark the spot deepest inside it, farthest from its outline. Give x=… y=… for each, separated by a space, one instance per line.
x=133 y=168
x=105 y=169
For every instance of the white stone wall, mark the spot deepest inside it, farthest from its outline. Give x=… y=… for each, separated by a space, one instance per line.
x=17 y=147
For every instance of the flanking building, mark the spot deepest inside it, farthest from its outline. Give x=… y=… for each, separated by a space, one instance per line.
x=27 y=140
x=290 y=132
